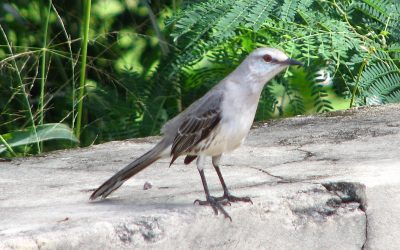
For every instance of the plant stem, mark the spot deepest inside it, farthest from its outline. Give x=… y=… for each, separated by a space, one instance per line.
x=73 y=62
x=85 y=29
x=43 y=64
x=7 y=146
x=23 y=91
x=353 y=94
x=160 y=37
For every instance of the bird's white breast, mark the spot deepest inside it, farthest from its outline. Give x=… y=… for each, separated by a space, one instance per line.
x=238 y=110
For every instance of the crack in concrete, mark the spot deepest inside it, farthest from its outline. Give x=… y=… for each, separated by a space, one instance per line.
x=308 y=179
x=268 y=173
x=308 y=154
x=366 y=231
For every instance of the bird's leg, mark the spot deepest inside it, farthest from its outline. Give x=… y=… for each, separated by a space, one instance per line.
x=215 y=204
x=227 y=196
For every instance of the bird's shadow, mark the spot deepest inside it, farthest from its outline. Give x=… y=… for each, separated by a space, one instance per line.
x=129 y=204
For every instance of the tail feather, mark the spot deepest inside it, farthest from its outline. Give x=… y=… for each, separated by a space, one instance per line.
x=130 y=170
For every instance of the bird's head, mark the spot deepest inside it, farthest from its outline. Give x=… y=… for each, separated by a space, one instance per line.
x=265 y=63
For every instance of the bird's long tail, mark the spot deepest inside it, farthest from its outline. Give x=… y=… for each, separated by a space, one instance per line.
x=130 y=170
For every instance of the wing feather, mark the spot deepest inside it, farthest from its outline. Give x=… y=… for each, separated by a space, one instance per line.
x=193 y=130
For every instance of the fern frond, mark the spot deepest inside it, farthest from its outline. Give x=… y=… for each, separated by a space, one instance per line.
x=235 y=17
x=375 y=72
x=336 y=35
x=259 y=13
x=385 y=12
x=321 y=102
x=199 y=19
x=267 y=105
x=394 y=97
x=288 y=10
x=380 y=80
x=296 y=102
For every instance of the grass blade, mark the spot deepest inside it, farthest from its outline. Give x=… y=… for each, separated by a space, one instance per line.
x=43 y=62
x=22 y=88
x=7 y=146
x=85 y=28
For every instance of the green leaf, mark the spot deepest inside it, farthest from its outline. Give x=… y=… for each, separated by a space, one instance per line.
x=289 y=10
x=45 y=132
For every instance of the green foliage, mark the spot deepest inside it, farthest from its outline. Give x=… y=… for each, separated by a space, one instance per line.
x=337 y=37
x=380 y=80
x=147 y=61
x=289 y=10
x=39 y=74
x=27 y=136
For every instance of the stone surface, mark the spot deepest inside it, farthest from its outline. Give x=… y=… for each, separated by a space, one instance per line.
x=319 y=182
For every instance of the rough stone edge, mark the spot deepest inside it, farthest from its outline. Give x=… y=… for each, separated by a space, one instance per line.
x=351 y=192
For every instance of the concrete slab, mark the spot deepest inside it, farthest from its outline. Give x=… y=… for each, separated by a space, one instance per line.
x=317 y=182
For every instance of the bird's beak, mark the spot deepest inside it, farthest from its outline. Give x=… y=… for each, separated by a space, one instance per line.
x=291 y=61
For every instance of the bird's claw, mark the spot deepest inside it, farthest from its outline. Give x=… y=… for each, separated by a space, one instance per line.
x=231 y=198
x=216 y=205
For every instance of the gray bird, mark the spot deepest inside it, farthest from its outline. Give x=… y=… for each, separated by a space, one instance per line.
x=213 y=125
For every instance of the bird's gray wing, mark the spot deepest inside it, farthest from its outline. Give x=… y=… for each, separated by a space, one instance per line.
x=197 y=125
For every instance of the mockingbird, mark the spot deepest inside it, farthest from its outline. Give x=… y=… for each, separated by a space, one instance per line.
x=215 y=124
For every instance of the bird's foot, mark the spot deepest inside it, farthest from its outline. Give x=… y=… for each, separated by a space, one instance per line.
x=216 y=205
x=231 y=198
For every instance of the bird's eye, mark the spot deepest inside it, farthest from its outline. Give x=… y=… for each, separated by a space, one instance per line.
x=267 y=58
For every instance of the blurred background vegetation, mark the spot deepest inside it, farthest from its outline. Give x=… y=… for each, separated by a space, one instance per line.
x=76 y=73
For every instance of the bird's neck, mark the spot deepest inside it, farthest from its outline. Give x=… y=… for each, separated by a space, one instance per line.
x=248 y=84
